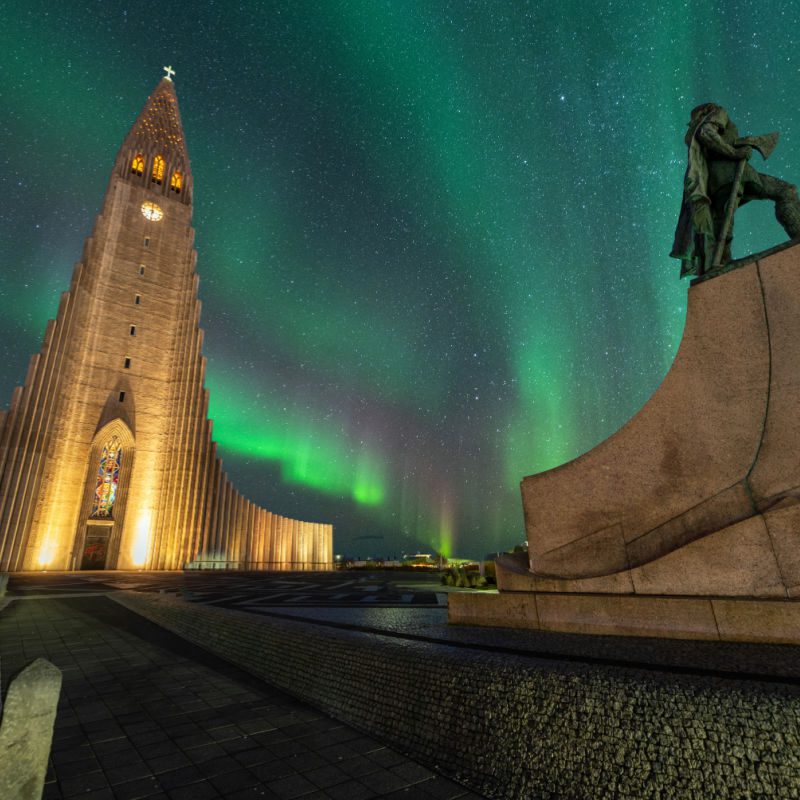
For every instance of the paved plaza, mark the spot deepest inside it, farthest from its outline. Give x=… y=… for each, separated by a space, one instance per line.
x=145 y=714
x=232 y=589
x=413 y=604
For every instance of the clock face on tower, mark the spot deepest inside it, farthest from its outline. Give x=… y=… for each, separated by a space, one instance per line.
x=152 y=211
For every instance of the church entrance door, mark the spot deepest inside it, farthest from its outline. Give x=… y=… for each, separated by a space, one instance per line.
x=95 y=547
x=97 y=538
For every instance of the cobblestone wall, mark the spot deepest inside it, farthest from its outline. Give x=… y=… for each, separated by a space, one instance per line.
x=515 y=727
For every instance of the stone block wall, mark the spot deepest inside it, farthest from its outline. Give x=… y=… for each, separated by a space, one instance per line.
x=513 y=727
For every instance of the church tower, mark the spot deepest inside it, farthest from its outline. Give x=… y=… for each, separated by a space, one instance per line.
x=106 y=455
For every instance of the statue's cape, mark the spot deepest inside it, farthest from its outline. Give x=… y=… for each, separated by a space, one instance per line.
x=695 y=214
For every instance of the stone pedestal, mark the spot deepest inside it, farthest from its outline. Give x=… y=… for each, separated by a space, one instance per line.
x=686 y=522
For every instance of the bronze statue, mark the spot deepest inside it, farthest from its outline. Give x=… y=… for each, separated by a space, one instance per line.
x=718 y=180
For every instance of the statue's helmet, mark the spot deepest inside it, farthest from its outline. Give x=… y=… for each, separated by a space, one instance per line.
x=703 y=110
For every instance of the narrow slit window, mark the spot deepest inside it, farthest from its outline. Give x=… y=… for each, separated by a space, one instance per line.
x=147 y=241
x=122 y=397
x=175 y=183
x=141 y=269
x=133 y=330
x=137 y=301
x=127 y=363
x=137 y=165
x=158 y=170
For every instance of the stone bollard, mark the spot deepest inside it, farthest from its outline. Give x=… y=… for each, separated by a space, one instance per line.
x=26 y=732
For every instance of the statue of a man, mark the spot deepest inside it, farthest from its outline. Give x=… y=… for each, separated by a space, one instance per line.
x=715 y=151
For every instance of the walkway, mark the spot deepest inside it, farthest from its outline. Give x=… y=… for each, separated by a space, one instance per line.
x=144 y=714
x=413 y=605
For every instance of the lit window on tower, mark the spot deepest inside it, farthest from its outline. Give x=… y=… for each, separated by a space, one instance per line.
x=105 y=492
x=137 y=165
x=158 y=170
x=175 y=182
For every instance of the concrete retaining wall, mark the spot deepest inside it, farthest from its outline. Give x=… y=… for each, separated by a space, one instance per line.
x=709 y=618
x=515 y=727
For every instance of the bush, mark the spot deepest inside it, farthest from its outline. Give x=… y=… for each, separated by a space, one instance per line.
x=462 y=579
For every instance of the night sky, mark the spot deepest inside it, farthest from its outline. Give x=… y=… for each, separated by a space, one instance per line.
x=432 y=235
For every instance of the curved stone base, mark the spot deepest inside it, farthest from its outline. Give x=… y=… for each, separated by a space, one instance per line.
x=756 y=557
x=725 y=619
x=699 y=493
x=686 y=522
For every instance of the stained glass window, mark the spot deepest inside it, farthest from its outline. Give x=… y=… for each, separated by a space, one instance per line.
x=158 y=169
x=105 y=492
x=175 y=182
x=137 y=165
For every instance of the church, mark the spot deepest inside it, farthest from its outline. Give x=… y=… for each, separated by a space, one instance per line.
x=106 y=453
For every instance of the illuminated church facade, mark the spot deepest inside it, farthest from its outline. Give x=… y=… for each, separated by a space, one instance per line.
x=106 y=452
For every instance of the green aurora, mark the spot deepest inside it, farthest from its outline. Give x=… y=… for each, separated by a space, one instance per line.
x=432 y=236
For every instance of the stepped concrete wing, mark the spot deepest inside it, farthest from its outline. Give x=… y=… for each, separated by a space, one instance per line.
x=686 y=522
x=717 y=445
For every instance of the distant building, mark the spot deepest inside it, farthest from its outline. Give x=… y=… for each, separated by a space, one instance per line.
x=106 y=455
x=421 y=560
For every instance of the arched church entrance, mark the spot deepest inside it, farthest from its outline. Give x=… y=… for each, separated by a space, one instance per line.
x=102 y=516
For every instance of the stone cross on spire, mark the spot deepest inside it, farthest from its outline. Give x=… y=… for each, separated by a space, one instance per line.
x=170 y=72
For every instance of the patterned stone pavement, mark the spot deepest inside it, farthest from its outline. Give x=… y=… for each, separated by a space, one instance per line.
x=144 y=714
x=342 y=589
x=413 y=605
